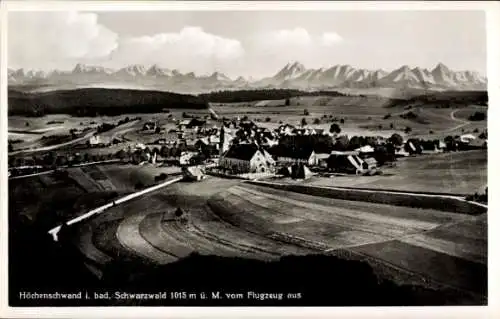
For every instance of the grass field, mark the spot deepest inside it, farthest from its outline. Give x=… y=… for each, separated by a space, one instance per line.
x=460 y=173
x=125 y=177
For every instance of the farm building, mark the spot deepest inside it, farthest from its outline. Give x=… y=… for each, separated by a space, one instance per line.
x=347 y=162
x=247 y=158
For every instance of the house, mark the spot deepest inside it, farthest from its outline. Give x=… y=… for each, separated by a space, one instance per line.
x=285 y=129
x=286 y=154
x=431 y=147
x=185 y=157
x=323 y=159
x=99 y=141
x=296 y=171
x=367 y=149
x=247 y=158
x=347 y=162
x=183 y=124
x=150 y=126
x=467 y=138
x=195 y=123
x=193 y=173
x=413 y=147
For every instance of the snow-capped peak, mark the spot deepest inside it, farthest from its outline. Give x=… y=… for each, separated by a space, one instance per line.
x=133 y=70
x=156 y=70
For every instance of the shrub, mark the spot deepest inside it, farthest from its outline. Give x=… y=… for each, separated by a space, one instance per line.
x=335 y=128
x=408 y=129
x=303 y=122
x=306 y=112
x=342 y=121
x=139 y=185
x=477 y=116
x=396 y=139
x=387 y=116
x=268 y=119
x=317 y=121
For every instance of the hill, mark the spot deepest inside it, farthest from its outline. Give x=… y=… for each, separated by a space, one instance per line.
x=97 y=101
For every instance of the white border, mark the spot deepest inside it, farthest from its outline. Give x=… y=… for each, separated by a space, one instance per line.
x=493 y=24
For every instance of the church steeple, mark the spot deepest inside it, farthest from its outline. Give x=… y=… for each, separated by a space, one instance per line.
x=222 y=135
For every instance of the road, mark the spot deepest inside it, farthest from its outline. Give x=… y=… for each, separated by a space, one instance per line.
x=66 y=166
x=54 y=231
x=53 y=147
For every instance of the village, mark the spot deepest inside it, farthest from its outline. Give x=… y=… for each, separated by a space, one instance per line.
x=240 y=148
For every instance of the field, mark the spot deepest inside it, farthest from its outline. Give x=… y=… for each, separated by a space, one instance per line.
x=233 y=218
x=458 y=173
x=372 y=115
x=54 y=198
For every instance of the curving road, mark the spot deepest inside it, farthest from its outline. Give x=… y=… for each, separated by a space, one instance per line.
x=53 y=147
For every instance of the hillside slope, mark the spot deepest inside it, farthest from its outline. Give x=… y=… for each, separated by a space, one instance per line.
x=96 y=101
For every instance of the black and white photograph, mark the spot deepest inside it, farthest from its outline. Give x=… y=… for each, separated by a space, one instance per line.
x=245 y=157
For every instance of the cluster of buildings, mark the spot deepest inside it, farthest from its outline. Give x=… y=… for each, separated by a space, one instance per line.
x=242 y=147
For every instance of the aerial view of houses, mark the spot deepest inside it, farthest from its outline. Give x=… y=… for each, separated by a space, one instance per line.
x=231 y=188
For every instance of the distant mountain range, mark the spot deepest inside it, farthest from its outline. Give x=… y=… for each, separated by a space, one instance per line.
x=292 y=76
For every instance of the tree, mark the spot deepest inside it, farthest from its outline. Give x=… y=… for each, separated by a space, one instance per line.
x=317 y=121
x=121 y=154
x=335 y=128
x=27 y=123
x=407 y=130
x=342 y=143
x=287 y=102
x=342 y=121
x=303 y=122
x=306 y=112
x=164 y=151
x=11 y=148
x=268 y=119
x=477 y=116
x=158 y=130
x=396 y=139
x=392 y=126
x=355 y=142
x=139 y=185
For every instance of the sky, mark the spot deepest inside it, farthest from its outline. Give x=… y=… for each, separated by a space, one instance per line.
x=248 y=43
